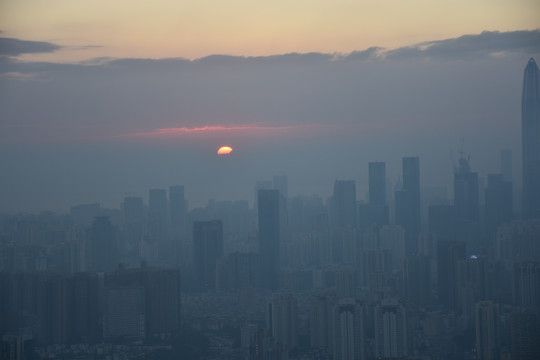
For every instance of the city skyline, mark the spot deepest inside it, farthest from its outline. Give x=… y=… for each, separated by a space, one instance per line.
x=354 y=179
x=282 y=114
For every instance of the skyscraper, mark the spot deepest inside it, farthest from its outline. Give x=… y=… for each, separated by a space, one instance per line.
x=269 y=236
x=498 y=209
x=177 y=218
x=157 y=212
x=467 y=205
x=376 y=210
x=177 y=210
x=408 y=203
x=207 y=250
x=530 y=138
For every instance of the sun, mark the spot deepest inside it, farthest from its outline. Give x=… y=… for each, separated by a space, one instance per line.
x=224 y=150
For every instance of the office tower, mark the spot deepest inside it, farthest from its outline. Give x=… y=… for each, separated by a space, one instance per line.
x=269 y=237
x=124 y=312
x=349 y=331
x=498 y=208
x=103 y=250
x=417 y=273
x=261 y=185
x=177 y=221
x=344 y=203
x=377 y=183
x=466 y=205
x=376 y=210
x=281 y=184
x=321 y=329
x=487 y=330
x=281 y=319
x=449 y=253
x=390 y=329
x=408 y=203
x=506 y=165
x=530 y=140
x=207 y=250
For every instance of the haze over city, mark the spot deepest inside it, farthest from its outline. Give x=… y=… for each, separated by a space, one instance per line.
x=84 y=100
x=270 y=180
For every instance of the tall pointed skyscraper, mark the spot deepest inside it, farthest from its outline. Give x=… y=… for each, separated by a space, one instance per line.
x=530 y=139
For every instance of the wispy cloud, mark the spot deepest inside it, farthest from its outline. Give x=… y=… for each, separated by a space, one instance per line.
x=208 y=129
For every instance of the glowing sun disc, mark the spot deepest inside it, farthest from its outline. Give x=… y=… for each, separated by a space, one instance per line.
x=224 y=150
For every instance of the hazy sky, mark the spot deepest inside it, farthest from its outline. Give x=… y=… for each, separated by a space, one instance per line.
x=192 y=29
x=101 y=100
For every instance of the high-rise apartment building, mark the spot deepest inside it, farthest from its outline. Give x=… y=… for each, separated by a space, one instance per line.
x=349 y=339
x=390 y=329
x=281 y=320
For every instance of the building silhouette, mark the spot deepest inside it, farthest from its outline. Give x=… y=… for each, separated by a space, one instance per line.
x=408 y=203
x=376 y=210
x=530 y=138
x=390 y=329
x=467 y=205
x=487 y=330
x=177 y=221
x=449 y=253
x=269 y=237
x=349 y=342
x=157 y=215
x=207 y=250
x=498 y=209
x=281 y=320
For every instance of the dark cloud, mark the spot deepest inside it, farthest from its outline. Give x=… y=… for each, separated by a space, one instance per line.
x=487 y=43
x=14 y=47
